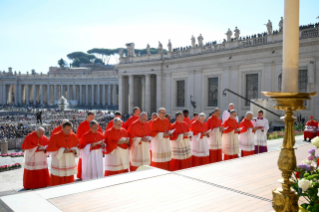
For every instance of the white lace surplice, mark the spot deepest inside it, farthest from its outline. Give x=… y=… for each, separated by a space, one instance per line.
x=35 y=160
x=215 y=139
x=161 y=148
x=92 y=163
x=230 y=143
x=64 y=164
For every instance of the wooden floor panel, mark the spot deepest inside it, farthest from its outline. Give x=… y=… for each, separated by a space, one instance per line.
x=214 y=187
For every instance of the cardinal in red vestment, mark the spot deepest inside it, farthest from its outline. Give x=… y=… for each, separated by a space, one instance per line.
x=186 y=118
x=64 y=151
x=161 y=147
x=246 y=136
x=83 y=128
x=109 y=125
x=310 y=129
x=36 y=173
x=180 y=143
x=230 y=144
x=117 y=153
x=59 y=128
x=134 y=117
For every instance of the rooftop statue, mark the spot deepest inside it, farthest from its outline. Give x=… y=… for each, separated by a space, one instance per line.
x=237 y=33
x=229 y=34
x=148 y=49
x=169 y=45
x=121 y=53
x=269 y=27
x=193 y=41
x=281 y=24
x=160 y=47
x=200 y=40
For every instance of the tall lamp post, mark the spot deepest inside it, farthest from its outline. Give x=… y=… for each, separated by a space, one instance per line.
x=285 y=199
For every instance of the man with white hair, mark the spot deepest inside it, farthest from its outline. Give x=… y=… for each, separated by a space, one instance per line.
x=181 y=150
x=199 y=143
x=117 y=153
x=36 y=173
x=261 y=133
x=139 y=132
x=226 y=113
x=91 y=144
x=59 y=128
x=246 y=136
x=230 y=137
x=161 y=146
x=214 y=124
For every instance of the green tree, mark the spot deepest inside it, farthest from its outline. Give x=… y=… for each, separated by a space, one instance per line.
x=76 y=63
x=75 y=55
x=61 y=63
x=98 y=60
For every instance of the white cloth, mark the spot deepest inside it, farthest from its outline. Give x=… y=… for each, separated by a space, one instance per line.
x=260 y=138
x=117 y=160
x=140 y=153
x=35 y=160
x=230 y=143
x=92 y=163
x=226 y=115
x=161 y=148
x=215 y=139
x=310 y=129
x=181 y=148
x=246 y=140
x=64 y=164
x=199 y=146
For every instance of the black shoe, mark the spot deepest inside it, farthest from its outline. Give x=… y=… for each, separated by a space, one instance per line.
x=309 y=140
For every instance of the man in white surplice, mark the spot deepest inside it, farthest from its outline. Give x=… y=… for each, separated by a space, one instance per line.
x=92 y=144
x=226 y=113
x=261 y=133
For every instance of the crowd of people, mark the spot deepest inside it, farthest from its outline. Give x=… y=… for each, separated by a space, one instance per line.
x=10 y=131
x=127 y=145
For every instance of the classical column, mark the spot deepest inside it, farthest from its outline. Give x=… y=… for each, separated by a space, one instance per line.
x=103 y=94
x=68 y=94
x=16 y=93
x=290 y=48
x=4 y=93
x=121 y=93
x=54 y=94
x=148 y=93
x=109 y=94
x=34 y=94
x=87 y=94
x=130 y=96
x=98 y=94
x=114 y=95
x=41 y=94
x=61 y=91
x=81 y=102
x=158 y=91
x=48 y=94
x=198 y=91
x=75 y=97
x=225 y=84
x=92 y=86
x=267 y=77
x=168 y=93
x=27 y=95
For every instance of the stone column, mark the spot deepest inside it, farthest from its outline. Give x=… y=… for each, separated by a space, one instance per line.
x=290 y=50
x=114 y=95
x=61 y=91
x=168 y=93
x=158 y=91
x=109 y=94
x=54 y=94
x=68 y=92
x=34 y=94
x=130 y=97
x=224 y=84
x=16 y=94
x=48 y=94
x=4 y=93
x=98 y=94
x=198 y=91
x=87 y=94
x=92 y=86
x=233 y=85
x=121 y=93
x=148 y=93
x=41 y=94
x=267 y=77
x=27 y=95
x=103 y=94
x=81 y=102
x=75 y=96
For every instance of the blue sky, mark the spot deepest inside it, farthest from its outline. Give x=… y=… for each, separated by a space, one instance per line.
x=37 y=33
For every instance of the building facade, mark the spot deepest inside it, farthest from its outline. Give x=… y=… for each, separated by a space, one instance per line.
x=197 y=75
x=80 y=86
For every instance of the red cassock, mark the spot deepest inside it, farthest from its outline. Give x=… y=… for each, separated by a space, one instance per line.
x=231 y=125
x=188 y=121
x=90 y=137
x=215 y=150
x=36 y=173
x=109 y=125
x=57 y=141
x=83 y=128
x=129 y=121
x=310 y=129
x=247 y=146
x=149 y=124
x=140 y=130
x=201 y=128
x=194 y=119
x=57 y=129
x=161 y=126
x=180 y=149
x=112 y=136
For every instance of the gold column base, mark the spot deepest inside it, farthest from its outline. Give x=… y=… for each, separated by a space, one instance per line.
x=285 y=199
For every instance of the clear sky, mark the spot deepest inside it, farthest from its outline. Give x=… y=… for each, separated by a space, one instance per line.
x=35 y=34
